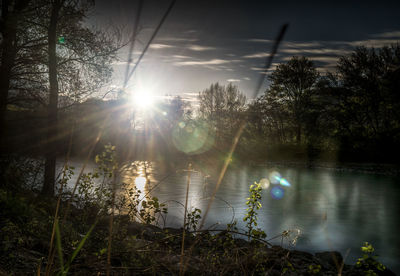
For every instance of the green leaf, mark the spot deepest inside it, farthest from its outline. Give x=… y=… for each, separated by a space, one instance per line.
x=58 y=245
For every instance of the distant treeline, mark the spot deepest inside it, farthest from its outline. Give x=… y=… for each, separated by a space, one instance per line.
x=352 y=114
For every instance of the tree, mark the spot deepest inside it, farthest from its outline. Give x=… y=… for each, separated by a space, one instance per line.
x=80 y=66
x=366 y=100
x=11 y=12
x=223 y=107
x=56 y=58
x=366 y=75
x=268 y=119
x=52 y=112
x=292 y=89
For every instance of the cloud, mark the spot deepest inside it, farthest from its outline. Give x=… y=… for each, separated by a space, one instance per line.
x=233 y=80
x=190 y=99
x=180 y=56
x=261 y=70
x=389 y=34
x=324 y=59
x=327 y=60
x=200 y=48
x=259 y=40
x=203 y=62
x=257 y=55
x=177 y=39
x=320 y=51
x=257 y=68
x=298 y=44
x=160 y=46
x=377 y=43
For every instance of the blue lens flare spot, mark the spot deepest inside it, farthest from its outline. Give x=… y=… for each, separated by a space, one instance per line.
x=284 y=182
x=277 y=192
x=274 y=177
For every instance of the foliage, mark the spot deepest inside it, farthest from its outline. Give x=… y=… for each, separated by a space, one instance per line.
x=366 y=103
x=65 y=268
x=83 y=60
x=192 y=219
x=368 y=262
x=223 y=107
x=292 y=89
x=351 y=113
x=254 y=204
x=146 y=209
x=314 y=269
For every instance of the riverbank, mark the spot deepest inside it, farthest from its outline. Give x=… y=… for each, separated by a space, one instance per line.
x=367 y=168
x=144 y=249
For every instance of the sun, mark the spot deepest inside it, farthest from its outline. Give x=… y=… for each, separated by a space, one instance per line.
x=142 y=100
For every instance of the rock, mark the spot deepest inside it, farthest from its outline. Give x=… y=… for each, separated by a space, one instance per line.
x=330 y=259
x=241 y=243
x=301 y=255
x=147 y=231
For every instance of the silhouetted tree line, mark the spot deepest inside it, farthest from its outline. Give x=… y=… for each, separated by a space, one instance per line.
x=352 y=114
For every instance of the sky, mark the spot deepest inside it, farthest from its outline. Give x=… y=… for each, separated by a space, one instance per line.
x=203 y=42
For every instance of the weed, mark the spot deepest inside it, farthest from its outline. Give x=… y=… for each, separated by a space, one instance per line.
x=314 y=269
x=192 y=219
x=254 y=204
x=368 y=262
x=65 y=268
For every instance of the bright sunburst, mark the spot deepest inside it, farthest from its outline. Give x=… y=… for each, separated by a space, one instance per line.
x=142 y=100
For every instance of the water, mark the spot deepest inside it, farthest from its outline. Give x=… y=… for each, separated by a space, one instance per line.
x=332 y=210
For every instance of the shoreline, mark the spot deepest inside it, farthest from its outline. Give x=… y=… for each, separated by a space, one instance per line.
x=367 y=168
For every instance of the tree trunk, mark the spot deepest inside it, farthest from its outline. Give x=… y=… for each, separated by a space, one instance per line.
x=52 y=112
x=8 y=52
x=298 y=135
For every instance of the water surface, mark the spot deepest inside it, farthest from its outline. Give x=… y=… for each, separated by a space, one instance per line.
x=332 y=210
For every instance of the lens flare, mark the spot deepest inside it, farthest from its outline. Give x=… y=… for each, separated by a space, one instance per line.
x=275 y=177
x=264 y=183
x=193 y=137
x=277 y=192
x=284 y=182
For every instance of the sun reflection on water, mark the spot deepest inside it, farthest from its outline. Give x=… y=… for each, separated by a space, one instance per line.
x=140 y=182
x=139 y=174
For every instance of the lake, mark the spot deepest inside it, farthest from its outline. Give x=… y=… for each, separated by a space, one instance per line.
x=331 y=210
